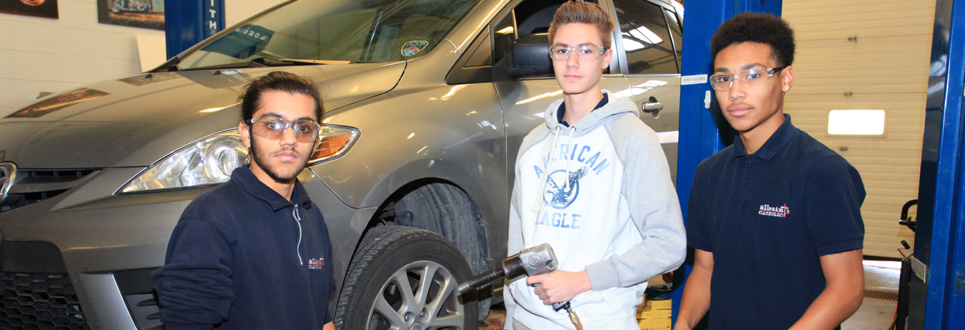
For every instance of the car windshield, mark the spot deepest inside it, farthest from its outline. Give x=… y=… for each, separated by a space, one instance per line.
x=350 y=31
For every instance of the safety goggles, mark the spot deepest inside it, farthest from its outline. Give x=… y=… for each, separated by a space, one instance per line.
x=585 y=52
x=272 y=127
x=755 y=76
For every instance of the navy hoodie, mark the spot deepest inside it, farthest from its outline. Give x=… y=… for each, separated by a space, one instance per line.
x=244 y=257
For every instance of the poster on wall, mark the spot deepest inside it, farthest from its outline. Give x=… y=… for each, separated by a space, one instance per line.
x=38 y=8
x=147 y=14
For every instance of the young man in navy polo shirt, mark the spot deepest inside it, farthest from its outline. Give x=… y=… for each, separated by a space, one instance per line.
x=774 y=219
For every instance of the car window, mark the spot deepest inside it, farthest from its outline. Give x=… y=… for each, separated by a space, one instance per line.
x=504 y=35
x=528 y=17
x=535 y=16
x=645 y=37
x=481 y=51
x=495 y=43
x=476 y=65
x=338 y=30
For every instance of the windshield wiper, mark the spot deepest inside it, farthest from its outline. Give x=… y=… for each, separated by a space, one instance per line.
x=264 y=61
x=170 y=65
x=273 y=61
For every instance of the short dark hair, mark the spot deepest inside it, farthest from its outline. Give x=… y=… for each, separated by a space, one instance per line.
x=761 y=28
x=577 y=11
x=277 y=81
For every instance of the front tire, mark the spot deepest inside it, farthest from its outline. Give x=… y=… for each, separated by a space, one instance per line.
x=405 y=278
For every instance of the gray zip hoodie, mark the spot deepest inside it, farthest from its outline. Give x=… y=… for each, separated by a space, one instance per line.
x=600 y=193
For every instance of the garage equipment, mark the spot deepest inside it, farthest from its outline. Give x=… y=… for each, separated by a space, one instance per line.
x=533 y=261
x=904 y=278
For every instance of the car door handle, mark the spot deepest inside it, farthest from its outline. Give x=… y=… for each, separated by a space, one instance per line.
x=652 y=106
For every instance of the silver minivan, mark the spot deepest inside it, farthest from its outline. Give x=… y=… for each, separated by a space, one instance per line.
x=426 y=104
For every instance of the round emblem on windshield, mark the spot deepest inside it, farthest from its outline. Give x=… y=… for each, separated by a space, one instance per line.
x=413 y=47
x=8 y=172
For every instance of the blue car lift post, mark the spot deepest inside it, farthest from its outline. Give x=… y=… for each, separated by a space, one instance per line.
x=938 y=286
x=937 y=283
x=187 y=22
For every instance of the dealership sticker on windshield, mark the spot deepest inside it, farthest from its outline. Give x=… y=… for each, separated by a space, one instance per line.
x=413 y=47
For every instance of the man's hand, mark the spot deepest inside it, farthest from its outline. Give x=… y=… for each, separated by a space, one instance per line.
x=696 y=298
x=559 y=285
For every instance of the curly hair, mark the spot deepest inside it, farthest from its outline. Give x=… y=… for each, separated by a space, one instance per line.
x=278 y=81
x=578 y=11
x=761 y=28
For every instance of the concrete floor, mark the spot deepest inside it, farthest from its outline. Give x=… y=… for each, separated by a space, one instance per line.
x=876 y=311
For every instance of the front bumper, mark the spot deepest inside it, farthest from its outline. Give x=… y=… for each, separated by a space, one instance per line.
x=105 y=246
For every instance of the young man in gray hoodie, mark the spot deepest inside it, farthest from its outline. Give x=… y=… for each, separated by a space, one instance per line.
x=593 y=182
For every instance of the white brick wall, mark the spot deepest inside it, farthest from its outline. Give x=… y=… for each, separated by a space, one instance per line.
x=55 y=55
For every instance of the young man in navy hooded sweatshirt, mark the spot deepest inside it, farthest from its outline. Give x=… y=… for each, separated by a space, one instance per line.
x=594 y=183
x=254 y=252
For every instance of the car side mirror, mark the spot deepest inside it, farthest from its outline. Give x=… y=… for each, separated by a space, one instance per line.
x=531 y=56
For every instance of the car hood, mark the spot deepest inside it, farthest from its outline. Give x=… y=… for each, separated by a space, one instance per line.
x=137 y=120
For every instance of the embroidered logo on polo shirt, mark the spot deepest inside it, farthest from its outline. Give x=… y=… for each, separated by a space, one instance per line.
x=316 y=263
x=774 y=211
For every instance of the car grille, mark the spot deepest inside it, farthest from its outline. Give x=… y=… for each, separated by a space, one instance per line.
x=39 y=301
x=33 y=186
x=37 y=292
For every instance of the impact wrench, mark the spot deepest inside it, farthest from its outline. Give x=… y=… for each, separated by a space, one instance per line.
x=533 y=261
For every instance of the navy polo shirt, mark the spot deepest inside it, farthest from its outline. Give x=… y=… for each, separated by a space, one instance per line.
x=768 y=217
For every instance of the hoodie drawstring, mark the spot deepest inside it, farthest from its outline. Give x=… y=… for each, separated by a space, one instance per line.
x=569 y=142
x=298 y=246
x=538 y=206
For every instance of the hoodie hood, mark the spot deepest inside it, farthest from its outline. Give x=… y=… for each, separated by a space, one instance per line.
x=600 y=116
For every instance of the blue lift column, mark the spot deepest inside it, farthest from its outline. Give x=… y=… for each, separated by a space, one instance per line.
x=187 y=22
x=937 y=282
x=701 y=133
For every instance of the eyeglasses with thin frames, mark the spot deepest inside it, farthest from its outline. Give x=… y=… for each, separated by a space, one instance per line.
x=272 y=127
x=755 y=76
x=584 y=52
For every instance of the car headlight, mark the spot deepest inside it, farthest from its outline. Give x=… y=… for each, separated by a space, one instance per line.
x=210 y=160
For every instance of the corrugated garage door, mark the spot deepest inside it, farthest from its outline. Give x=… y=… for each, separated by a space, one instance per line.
x=866 y=54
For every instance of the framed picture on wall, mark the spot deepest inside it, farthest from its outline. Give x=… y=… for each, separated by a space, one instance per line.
x=147 y=14
x=38 y=8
